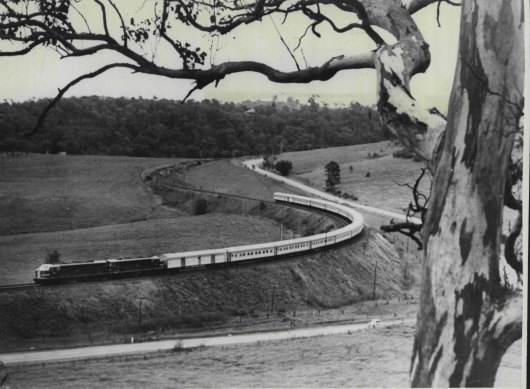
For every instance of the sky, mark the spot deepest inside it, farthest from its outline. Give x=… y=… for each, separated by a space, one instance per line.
x=40 y=73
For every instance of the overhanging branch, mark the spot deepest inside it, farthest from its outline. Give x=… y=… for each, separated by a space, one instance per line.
x=62 y=91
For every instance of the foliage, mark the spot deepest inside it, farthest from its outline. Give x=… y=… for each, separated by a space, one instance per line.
x=52 y=257
x=332 y=170
x=200 y=207
x=164 y=128
x=284 y=167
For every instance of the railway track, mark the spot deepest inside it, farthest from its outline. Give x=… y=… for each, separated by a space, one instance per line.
x=12 y=287
x=334 y=217
x=211 y=192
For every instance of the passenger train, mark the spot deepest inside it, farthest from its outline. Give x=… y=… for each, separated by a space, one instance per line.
x=116 y=268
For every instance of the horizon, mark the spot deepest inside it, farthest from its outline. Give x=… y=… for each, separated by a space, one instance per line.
x=40 y=73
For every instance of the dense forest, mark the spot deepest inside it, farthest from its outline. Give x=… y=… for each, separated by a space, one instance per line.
x=165 y=128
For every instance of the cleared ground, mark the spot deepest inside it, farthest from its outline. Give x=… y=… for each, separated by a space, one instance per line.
x=267 y=292
x=303 y=290
x=40 y=193
x=373 y=358
x=373 y=180
x=22 y=253
x=225 y=177
x=96 y=207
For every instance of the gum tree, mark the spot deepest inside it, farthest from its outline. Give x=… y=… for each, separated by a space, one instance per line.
x=467 y=317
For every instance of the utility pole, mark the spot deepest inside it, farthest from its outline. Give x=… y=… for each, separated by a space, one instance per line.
x=375 y=278
x=140 y=313
x=281 y=230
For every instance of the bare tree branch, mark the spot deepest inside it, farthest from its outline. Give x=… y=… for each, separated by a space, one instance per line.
x=62 y=91
x=419 y=206
x=285 y=44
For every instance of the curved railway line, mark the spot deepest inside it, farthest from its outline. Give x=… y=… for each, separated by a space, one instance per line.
x=168 y=263
x=337 y=218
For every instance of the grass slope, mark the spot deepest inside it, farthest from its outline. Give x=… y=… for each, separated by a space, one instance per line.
x=22 y=253
x=40 y=193
x=368 y=359
x=226 y=177
x=322 y=280
x=386 y=172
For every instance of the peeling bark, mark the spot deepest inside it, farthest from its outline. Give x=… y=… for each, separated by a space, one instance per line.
x=461 y=282
x=420 y=129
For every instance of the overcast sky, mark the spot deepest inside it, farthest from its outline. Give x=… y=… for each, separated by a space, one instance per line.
x=41 y=73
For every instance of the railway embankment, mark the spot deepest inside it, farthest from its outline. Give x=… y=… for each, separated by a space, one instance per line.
x=295 y=291
x=280 y=291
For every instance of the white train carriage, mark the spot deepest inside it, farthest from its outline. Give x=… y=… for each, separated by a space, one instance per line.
x=318 y=241
x=242 y=253
x=278 y=248
x=293 y=246
x=195 y=258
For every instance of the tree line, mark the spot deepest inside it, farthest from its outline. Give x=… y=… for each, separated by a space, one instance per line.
x=166 y=128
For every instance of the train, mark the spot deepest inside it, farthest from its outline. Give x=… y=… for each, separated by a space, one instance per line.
x=116 y=268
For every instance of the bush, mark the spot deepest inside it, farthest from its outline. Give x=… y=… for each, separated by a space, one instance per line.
x=402 y=153
x=332 y=170
x=283 y=167
x=200 y=207
x=53 y=257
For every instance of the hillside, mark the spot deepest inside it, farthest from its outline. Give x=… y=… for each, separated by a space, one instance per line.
x=225 y=176
x=42 y=193
x=109 y=310
x=23 y=253
x=374 y=175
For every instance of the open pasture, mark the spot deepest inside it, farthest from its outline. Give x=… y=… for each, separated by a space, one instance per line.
x=372 y=358
x=374 y=178
x=40 y=193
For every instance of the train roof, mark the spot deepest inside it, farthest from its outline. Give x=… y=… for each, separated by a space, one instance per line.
x=279 y=243
x=192 y=253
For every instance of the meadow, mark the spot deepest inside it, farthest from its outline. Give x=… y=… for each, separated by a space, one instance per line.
x=376 y=177
x=42 y=193
x=24 y=252
x=372 y=358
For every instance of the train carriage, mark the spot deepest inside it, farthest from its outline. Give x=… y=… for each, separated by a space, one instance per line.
x=195 y=258
x=262 y=250
x=117 y=267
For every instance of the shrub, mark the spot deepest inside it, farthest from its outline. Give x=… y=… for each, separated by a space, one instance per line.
x=52 y=257
x=283 y=167
x=200 y=207
x=332 y=170
x=402 y=153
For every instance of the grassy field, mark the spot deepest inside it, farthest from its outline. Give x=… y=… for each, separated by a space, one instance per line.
x=372 y=358
x=22 y=253
x=40 y=193
x=95 y=207
x=226 y=177
x=380 y=189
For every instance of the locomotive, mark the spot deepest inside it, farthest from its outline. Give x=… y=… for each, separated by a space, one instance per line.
x=116 y=268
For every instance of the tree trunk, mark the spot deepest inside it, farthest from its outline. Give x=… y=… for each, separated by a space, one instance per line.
x=466 y=319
